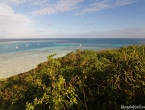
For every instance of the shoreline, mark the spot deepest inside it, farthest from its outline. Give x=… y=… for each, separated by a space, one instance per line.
x=20 y=62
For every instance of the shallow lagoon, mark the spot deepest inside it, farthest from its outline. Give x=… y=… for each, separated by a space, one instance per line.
x=31 y=52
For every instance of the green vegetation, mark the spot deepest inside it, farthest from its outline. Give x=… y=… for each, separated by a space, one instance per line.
x=81 y=80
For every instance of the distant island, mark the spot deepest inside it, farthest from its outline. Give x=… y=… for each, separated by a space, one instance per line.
x=111 y=79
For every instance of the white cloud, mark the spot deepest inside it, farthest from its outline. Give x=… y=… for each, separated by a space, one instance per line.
x=40 y=3
x=122 y=33
x=12 y=23
x=59 y=6
x=105 y=4
x=86 y=24
x=123 y=2
x=12 y=2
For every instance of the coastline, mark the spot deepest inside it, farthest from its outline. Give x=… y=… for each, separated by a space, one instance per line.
x=15 y=63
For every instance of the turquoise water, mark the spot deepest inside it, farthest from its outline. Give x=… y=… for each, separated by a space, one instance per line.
x=57 y=45
x=21 y=55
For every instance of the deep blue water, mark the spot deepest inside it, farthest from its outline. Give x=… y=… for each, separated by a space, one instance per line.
x=24 y=45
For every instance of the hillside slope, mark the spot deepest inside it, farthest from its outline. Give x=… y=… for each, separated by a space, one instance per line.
x=81 y=80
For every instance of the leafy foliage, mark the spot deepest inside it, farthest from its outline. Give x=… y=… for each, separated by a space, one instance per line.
x=81 y=80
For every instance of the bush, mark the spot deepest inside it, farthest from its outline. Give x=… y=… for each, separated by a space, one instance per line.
x=80 y=80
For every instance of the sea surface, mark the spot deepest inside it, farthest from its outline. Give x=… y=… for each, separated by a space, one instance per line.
x=59 y=45
x=21 y=55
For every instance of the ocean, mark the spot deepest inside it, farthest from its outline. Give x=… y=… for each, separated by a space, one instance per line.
x=56 y=45
x=21 y=55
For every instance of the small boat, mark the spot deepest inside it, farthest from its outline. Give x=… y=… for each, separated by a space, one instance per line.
x=27 y=45
x=80 y=44
x=17 y=47
x=38 y=43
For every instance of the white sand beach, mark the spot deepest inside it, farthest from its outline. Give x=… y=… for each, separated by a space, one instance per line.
x=15 y=63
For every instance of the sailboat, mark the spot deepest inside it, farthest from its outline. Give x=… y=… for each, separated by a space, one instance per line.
x=80 y=44
x=17 y=47
x=38 y=43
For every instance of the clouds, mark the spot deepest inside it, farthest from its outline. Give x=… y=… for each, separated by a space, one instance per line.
x=60 y=6
x=44 y=18
x=8 y=18
x=12 y=2
x=48 y=7
x=86 y=24
x=120 y=33
x=57 y=7
x=104 y=4
x=12 y=23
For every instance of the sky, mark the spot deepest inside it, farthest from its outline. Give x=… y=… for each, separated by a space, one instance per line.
x=72 y=18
